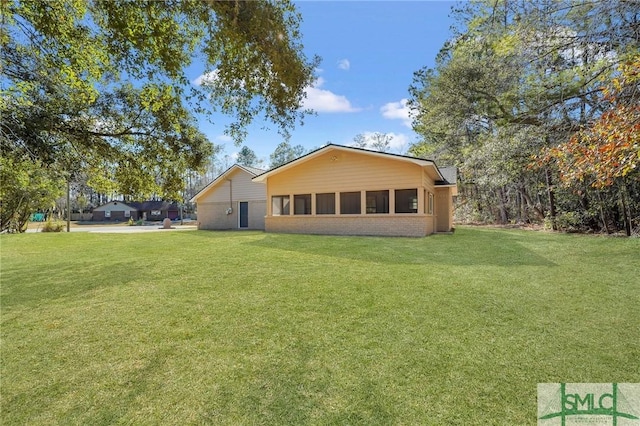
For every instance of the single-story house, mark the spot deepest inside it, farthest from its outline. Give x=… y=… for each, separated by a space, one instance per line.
x=352 y=191
x=114 y=210
x=232 y=200
x=147 y=210
x=156 y=210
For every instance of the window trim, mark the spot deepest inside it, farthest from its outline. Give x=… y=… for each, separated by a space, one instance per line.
x=412 y=200
x=284 y=210
x=374 y=195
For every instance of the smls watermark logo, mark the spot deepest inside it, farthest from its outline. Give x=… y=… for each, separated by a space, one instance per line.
x=568 y=404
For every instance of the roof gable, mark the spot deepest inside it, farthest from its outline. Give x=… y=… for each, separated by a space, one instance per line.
x=113 y=203
x=330 y=147
x=251 y=171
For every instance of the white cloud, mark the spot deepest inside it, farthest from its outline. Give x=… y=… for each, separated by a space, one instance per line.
x=397 y=111
x=344 y=64
x=398 y=143
x=206 y=78
x=321 y=100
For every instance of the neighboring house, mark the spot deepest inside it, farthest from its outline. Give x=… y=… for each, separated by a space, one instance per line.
x=232 y=201
x=352 y=191
x=146 y=210
x=114 y=210
x=156 y=210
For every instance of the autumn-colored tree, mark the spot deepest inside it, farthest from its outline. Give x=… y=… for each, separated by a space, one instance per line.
x=520 y=76
x=609 y=148
x=606 y=153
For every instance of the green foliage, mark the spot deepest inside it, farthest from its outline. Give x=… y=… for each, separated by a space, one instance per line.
x=567 y=221
x=284 y=153
x=516 y=78
x=376 y=141
x=53 y=226
x=99 y=86
x=25 y=187
x=247 y=157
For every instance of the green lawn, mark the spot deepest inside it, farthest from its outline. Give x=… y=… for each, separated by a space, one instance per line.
x=253 y=328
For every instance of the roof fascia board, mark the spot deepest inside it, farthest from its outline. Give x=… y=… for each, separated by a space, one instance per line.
x=218 y=179
x=419 y=161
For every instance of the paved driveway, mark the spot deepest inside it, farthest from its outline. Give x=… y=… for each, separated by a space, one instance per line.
x=125 y=229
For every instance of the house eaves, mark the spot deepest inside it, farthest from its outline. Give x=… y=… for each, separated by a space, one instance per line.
x=222 y=177
x=313 y=154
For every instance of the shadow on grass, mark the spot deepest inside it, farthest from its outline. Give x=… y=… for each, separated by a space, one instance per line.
x=464 y=248
x=59 y=281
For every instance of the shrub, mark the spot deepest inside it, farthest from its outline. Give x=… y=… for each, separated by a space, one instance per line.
x=51 y=226
x=569 y=221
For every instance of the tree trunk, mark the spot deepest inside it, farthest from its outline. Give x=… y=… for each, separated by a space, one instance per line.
x=603 y=216
x=519 y=208
x=529 y=203
x=552 y=199
x=504 y=214
x=625 y=210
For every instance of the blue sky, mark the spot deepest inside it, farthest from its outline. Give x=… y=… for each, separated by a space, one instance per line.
x=369 y=51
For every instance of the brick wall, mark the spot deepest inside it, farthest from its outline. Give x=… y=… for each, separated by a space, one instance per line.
x=257 y=212
x=214 y=216
x=414 y=225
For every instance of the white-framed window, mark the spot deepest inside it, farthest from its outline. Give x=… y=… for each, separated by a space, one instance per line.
x=127 y=213
x=156 y=212
x=107 y=213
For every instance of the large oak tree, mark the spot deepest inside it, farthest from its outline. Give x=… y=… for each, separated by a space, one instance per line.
x=101 y=85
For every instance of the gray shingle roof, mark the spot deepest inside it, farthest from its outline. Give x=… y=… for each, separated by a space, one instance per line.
x=153 y=205
x=256 y=171
x=450 y=174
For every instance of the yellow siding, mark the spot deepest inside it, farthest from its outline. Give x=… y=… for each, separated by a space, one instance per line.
x=338 y=171
x=427 y=181
x=444 y=210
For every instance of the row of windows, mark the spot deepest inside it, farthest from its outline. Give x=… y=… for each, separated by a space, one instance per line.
x=406 y=201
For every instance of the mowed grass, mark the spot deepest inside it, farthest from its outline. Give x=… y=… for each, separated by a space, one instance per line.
x=253 y=328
